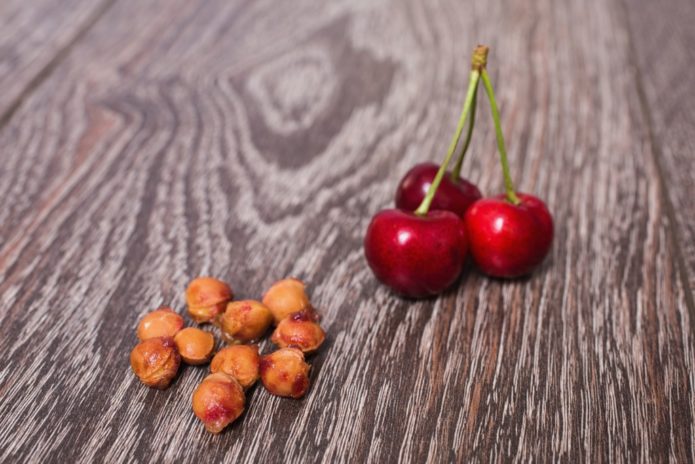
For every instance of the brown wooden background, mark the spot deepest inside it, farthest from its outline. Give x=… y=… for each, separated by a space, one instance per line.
x=143 y=143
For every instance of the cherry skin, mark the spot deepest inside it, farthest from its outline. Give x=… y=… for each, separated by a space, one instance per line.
x=452 y=195
x=417 y=256
x=508 y=240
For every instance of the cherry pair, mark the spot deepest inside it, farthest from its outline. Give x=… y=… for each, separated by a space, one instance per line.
x=419 y=249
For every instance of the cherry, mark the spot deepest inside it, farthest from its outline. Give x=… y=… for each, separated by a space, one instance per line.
x=455 y=195
x=417 y=256
x=509 y=234
x=508 y=240
x=421 y=253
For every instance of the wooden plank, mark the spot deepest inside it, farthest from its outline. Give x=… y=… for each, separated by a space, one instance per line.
x=33 y=37
x=253 y=141
x=663 y=55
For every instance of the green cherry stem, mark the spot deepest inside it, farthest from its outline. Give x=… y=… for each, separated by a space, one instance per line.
x=478 y=65
x=456 y=172
x=508 y=185
x=427 y=201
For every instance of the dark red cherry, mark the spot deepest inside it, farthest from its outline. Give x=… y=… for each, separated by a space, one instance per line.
x=452 y=195
x=417 y=256
x=508 y=240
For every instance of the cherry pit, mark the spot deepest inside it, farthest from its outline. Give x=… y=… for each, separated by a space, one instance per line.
x=419 y=248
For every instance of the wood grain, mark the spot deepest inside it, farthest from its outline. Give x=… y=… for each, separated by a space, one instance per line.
x=253 y=140
x=664 y=60
x=33 y=37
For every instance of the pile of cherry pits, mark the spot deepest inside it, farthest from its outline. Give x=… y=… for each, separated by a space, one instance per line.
x=419 y=248
x=220 y=398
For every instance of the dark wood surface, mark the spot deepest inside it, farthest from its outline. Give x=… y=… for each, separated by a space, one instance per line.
x=662 y=42
x=144 y=143
x=34 y=39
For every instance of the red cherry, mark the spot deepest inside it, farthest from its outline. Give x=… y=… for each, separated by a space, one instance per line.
x=416 y=256
x=508 y=240
x=452 y=195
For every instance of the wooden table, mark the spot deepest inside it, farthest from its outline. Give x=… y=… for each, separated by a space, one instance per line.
x=143 y=143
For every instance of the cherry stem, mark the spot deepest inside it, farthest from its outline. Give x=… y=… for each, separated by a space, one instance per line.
x=508 y=185
x=427 y=201
x=456 y=172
